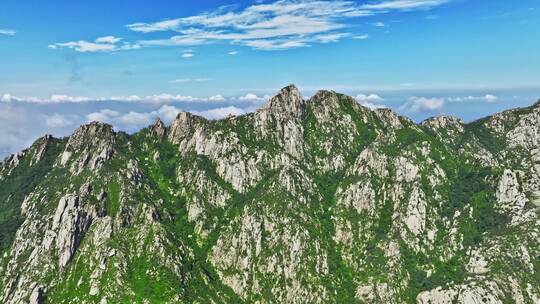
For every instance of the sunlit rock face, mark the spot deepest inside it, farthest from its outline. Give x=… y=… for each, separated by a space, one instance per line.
x=315 y=200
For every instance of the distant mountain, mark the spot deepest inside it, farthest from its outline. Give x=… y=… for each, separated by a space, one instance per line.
x=303 y=201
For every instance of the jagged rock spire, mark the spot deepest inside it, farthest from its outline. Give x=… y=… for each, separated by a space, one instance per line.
x=287 y=101
x=182 y=125
x=158 y=128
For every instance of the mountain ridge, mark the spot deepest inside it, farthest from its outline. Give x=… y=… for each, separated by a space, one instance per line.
x=186 y=115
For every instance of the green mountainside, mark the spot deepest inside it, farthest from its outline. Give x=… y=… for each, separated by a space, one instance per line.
x=303 y=201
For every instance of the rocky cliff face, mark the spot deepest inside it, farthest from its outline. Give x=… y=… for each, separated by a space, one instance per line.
x=303 y=201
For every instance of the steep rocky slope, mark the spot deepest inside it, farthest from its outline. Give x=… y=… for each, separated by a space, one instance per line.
x=303 y=201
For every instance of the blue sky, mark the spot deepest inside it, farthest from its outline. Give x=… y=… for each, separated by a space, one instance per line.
x=63 y=63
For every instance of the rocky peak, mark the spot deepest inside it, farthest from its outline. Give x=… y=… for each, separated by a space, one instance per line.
x=39 y=148
x=90 y=133
x=158 y=128
x=388 y=116
x=94 y=144
x=182 y=125
x=287 y=101
x=324 y=96
x=443 y=122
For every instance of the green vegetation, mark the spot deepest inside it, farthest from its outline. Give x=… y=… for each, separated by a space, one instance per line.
x=113 y=195
x=22 y=180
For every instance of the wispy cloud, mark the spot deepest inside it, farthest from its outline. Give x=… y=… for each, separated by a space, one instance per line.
x=7 y=32
x=361 y=37
x=404 y=4
x=219 y=113
x=108 y=39
x=188 y=53
x=185 y=80
x=232 y=53
x=101 y=44
x=486 y=98
x=372 y=101
x=61 y=121
x=283 y=24
x=157 y=98
x=253 y=97
x=423 y=104
x=430 y=104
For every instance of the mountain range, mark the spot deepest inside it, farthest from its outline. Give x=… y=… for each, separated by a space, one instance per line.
x=303 y=201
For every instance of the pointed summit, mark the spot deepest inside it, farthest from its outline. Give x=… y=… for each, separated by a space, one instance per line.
x=182 y=125
x=90 y=134
x=288 y=100
x=158 y=128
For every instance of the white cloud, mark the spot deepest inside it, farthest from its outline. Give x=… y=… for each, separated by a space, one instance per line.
x=273 y=45
x=21 y=125
x=158 y=98
x=101 y=44
x=379 y=24
x=361 y=37
x=187 y=53
x=220 y=113
x=170 y=97
x=7 y=32
x=130 y=121
x=60 y=121
x=66 y=98
x=330 y=37
x=55 y=98
x=184 y=80
x=216 y=98
x=135 y=119
x=368 y=97
x=253 y=97
x=371 y=101
x=168 y=113
x=232 y=53
x=404 y=4
x=130 y=98
x=486 y=98
x=18 y=129
x=279 y=25
x=423 y=104
x=108 y=39
x=490 y=98
x=7 y=98
x=373 y=106
x=105 y=115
